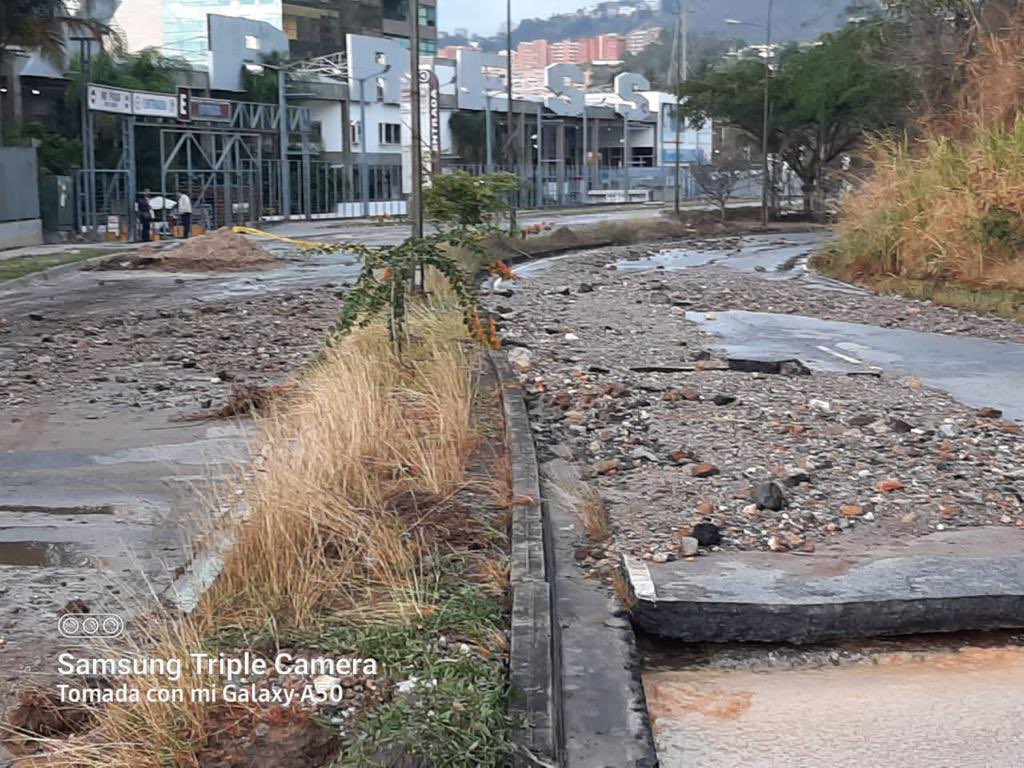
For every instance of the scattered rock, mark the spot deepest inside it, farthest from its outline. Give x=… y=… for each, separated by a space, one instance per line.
x=889 y=486
x=520 y=358
x=774 y=367
x=688 y=546
x=707 y=534
x=705 y=470
x=768 y=496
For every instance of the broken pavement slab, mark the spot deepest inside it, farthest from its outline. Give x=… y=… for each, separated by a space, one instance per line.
x=970 y=579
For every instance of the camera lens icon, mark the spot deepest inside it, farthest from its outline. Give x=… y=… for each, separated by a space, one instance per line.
x=90 y=625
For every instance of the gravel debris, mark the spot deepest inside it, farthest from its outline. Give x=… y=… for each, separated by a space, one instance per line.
x=684 y=446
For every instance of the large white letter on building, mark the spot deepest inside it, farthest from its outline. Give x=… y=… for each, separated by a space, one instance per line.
x=560 y=80
x=475 y=81
x=635 y=106
x=367 y=58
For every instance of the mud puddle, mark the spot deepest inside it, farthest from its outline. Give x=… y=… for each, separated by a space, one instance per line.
x=32 y=509
x=40 y=554
x=905 y=704
x=771 y=256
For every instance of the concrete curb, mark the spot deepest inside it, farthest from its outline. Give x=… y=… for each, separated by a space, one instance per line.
x=574 y=665
x=604 y=708
x=533 y=657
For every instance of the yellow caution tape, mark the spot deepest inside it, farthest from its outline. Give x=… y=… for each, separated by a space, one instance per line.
x=283 y=239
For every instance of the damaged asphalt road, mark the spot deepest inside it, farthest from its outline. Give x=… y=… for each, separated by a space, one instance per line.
x=694 y=454
x=106 y=462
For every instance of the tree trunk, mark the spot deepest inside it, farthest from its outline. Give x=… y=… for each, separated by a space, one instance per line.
x=807 y=187
x=722 y=207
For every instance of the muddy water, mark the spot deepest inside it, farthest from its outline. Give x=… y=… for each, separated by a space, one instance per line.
x=957 y=706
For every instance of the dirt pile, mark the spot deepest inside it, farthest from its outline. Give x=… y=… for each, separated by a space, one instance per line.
x=217 y=251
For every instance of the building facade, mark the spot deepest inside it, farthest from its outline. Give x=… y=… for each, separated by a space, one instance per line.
x=313 y=27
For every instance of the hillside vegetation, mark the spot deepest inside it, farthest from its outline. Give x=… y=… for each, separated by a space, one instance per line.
x=793 y=20
x=946 y=210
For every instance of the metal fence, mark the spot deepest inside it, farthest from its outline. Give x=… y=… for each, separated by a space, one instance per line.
x=114 y=210
x=553 y=185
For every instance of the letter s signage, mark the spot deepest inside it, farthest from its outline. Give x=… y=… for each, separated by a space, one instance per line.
x=560 y=79
x=636 y=106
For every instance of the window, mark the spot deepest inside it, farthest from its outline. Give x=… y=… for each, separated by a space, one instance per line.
x=291 y=27
x=355 y=132
x=390 y=133
x=428 y=47
x=252 y=42
x=428 y=16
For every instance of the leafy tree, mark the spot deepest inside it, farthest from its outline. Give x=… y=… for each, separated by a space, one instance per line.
x=460 y=200
x=147 y=70
x=57 y=154
x=824 y=98
x=655 y=61
x=468 y=135
x=262 y=86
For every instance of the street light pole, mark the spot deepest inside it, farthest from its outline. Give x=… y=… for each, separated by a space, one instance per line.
x=282 y=127
x=767 y=105
x=626 y=151
x=364 y=168
x=767 y=27
x=416 y=198
x=489 y=168
x=364 y=179
x=510 y=157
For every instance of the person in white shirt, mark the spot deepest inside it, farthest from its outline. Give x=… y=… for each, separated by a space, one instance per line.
x=185 y=212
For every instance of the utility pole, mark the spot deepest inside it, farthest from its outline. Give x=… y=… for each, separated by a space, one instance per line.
x=682 y=31
x=510 y=146
x=416 y=198
x=88 y=172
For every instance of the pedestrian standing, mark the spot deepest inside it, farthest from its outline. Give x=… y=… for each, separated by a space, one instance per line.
x=185 y=212
x=145 y=213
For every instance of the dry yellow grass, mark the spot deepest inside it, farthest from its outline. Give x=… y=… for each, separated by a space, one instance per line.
x=948 y=207
x=322 y=535
x=594 y=515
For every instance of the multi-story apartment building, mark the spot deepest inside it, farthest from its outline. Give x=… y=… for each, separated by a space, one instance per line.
x=602 y=48
x=313 y=27
x=639 y=39
x=537 y=54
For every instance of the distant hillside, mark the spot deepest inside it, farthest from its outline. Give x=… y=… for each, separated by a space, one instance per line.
x=792 y=20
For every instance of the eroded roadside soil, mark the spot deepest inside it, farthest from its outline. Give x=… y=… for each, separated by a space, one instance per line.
x=626 y=381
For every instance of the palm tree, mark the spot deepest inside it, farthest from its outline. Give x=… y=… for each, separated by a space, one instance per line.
x=37 y=24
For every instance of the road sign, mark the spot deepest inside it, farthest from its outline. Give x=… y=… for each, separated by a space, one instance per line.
x=104 y=99
x=154 y=104
x=184 y=103
x=217 y=110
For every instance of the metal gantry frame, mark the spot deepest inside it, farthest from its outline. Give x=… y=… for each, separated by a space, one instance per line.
x=225 y=158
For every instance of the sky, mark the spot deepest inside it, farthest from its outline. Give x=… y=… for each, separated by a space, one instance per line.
x=484 y=16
